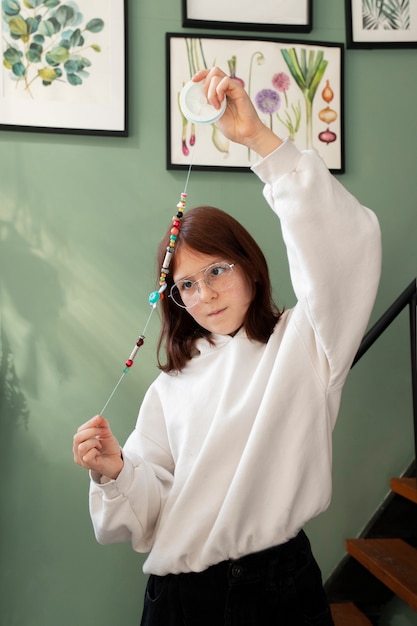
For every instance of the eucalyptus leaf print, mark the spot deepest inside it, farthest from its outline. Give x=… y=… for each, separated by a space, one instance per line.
x=46 y=41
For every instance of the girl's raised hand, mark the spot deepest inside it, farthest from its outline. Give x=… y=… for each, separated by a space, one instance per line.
x=240 y=123
x=96 y=448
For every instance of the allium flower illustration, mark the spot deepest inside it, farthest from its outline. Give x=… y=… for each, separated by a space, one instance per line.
x=268 y=101
x=281 y=82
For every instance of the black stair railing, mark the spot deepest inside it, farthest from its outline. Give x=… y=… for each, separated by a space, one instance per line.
x=407 y=298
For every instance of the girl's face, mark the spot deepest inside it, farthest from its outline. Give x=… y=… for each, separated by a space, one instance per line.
x=218 y=312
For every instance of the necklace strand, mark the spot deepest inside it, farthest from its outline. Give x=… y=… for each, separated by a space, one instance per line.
x=155 y=296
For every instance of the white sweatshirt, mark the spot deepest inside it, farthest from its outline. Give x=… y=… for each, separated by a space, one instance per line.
x=233 y=455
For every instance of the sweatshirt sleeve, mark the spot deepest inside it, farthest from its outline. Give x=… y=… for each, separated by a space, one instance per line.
x=334 y=250
x=127 y=509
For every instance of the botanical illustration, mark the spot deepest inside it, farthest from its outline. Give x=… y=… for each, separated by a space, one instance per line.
x=47 y=42
x=386 y=14
x=295 y=89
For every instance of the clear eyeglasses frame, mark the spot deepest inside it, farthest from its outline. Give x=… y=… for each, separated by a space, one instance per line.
x=218 y=277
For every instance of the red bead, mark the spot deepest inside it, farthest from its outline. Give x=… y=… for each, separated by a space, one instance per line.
x=140 y=341
x=129 y=363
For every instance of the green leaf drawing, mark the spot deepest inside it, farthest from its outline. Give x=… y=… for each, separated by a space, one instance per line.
x=32 y=4
x=11 y=56
x=307 y=73
x=57 y=56
x=11 y=7
x=34 y=54
x=65 y=15
x=95 y=26
x=18 y=26
x=19 y=69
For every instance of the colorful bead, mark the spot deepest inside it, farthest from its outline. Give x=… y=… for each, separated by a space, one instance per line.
x=154 y=297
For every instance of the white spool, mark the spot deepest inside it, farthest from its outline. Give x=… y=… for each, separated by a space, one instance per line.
x=195 y=106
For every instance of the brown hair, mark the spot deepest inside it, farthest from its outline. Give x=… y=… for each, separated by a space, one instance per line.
x=212 y=231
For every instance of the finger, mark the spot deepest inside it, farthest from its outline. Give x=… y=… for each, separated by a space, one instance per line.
x=86 y=452
x=200 y=75
x=91 y=460
x=215 y=95
x=89 y=435
x=97 y=421
x=211 y=78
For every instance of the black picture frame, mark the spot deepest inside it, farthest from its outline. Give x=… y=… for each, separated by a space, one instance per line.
x=262 y=15
x=381 y=24
x=296 y=118
x=75 y=81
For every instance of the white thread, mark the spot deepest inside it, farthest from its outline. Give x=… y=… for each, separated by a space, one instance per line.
x=112 y=393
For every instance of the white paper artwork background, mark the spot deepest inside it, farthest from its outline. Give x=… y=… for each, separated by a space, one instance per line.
x=261 y=11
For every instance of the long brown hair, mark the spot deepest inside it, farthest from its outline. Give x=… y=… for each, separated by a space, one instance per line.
x=214 y=232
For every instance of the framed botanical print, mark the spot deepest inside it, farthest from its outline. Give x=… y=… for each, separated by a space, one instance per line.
x=64 y=67
x=295 y=86
x=272 y=15
x=381 y=23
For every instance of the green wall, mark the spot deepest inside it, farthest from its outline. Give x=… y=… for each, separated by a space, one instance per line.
x=79 y=221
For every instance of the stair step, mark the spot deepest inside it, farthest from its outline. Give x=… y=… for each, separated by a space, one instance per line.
x=347 y=614
x=392 y=561
x=406 y=487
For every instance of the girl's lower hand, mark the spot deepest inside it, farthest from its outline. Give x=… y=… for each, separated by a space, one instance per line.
x=240 y=122
x=96 y=448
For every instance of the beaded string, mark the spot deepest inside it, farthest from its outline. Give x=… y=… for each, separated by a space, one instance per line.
x=155 y=296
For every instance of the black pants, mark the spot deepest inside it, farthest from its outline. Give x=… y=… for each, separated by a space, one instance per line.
x=281 y=586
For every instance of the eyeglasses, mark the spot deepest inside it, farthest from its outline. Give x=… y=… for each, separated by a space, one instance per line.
x=219 y=277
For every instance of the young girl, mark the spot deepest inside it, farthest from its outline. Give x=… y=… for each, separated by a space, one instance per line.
x=231 y=454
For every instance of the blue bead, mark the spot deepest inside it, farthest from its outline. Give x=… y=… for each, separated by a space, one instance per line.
x=154 y=297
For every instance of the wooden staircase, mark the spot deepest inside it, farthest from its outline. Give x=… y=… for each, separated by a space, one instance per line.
x=390 y=560
x=347 y=614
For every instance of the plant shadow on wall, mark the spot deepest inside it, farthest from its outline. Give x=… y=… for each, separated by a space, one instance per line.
x=23 y=558
x=14 y=410
x=30 y=303
x=47 y=43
